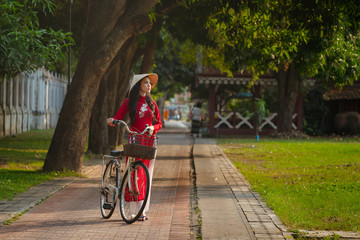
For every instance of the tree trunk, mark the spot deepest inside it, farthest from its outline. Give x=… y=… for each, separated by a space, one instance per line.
x=104 y=104
x=109 y=25
x=128 y=59
x=98 y=134
x=98 y=137
x=150 y=47
x=289 y=87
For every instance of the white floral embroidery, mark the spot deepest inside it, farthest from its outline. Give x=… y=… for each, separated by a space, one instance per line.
x=143 y=109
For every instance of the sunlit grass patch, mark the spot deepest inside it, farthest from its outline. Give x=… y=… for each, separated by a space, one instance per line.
x=26 y=150
x=21 y=161
x=18 y=181
x=310 y=184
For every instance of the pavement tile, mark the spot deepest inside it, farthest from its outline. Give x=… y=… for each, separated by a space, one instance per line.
x=269 y=237
x=258 y=218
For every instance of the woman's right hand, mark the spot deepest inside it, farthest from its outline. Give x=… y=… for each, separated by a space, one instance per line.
x=151 y=130
x=109 y=121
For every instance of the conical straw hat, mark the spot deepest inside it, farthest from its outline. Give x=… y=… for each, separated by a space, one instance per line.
x=137 y=77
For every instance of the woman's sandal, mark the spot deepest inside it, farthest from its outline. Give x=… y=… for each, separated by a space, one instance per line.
x=143 y=218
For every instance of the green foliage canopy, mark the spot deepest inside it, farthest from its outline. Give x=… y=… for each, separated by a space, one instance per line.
x=24 y=46
x=321 y=38
x=175 y=65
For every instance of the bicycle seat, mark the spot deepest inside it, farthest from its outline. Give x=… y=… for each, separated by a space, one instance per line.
x=116 y=153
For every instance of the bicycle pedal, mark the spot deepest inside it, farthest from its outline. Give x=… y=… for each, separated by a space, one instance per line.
x=107 y=206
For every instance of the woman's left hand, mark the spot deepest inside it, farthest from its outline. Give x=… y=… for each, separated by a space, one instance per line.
x=151 y=130
x=109 y=121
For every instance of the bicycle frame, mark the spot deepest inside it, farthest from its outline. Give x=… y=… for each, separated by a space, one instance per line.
x=111 y=189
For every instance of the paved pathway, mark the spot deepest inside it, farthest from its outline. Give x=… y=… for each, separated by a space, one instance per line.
x=229 y=209
x=73 y=212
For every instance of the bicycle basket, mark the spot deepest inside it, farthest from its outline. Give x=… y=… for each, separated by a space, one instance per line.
x=140 y=146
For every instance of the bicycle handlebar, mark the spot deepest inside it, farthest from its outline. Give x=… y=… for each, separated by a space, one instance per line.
x=119 y=122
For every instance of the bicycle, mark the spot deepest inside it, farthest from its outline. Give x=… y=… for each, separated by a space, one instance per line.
x=133 y=191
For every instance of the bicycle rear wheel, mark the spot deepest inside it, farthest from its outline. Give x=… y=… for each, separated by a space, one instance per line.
x=111 y=180
x=134 y=191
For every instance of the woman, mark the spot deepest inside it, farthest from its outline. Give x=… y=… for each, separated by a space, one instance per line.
x=196 y=115
x=142 y=111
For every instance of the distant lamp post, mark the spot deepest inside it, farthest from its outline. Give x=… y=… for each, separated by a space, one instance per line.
x=69 y=47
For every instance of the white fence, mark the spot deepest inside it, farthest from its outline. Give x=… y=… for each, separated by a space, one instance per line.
x=31 y=101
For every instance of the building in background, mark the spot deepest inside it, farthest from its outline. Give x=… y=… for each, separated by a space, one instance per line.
x=179 y=106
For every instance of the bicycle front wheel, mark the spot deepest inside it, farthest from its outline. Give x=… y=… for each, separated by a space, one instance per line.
x=134 y=191
x=108 y=195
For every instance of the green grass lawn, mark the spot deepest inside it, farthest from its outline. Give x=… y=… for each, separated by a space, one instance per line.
x=310 y=184
x=21 y=161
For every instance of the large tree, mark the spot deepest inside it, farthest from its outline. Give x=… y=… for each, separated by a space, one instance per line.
x=109 y=25
x=114 y=86
x=295 y=40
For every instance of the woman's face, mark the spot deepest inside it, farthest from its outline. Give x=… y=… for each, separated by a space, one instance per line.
x=145 y=85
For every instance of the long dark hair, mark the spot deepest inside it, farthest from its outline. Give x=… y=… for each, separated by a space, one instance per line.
x=134 y=99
